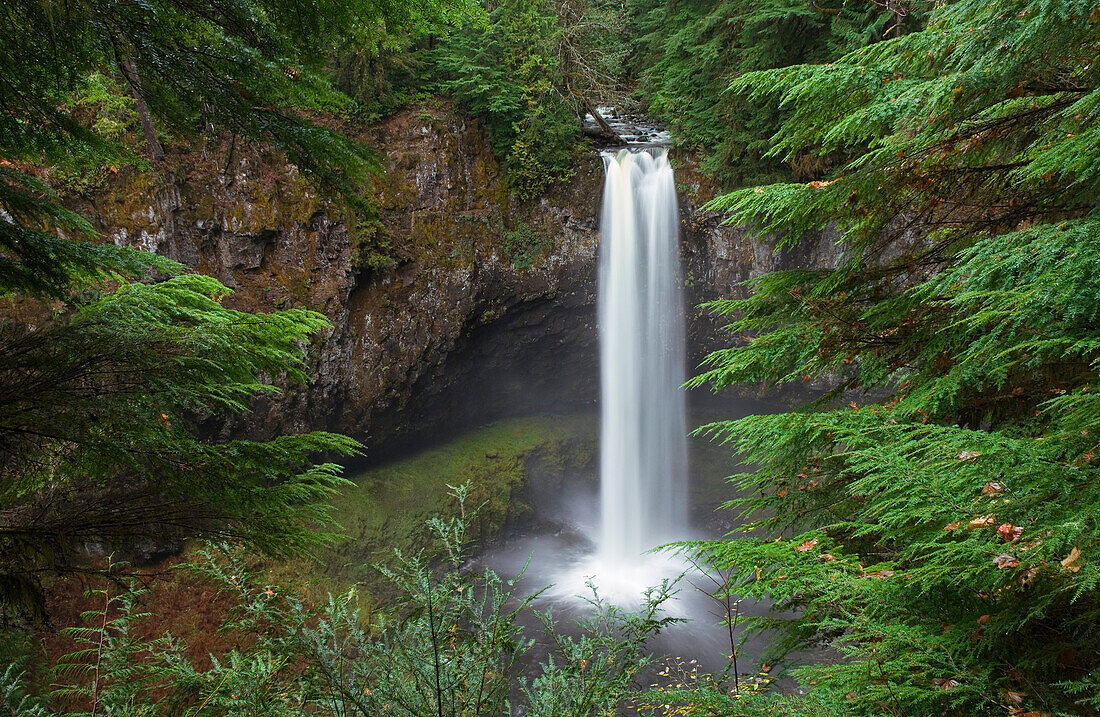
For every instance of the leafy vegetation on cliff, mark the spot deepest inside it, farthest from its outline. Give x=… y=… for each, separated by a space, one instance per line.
x=531 y=69
x=944 y=498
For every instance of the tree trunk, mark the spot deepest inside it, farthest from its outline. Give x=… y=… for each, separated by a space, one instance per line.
x=156 y=151
x=606 y=133
x=599 y=118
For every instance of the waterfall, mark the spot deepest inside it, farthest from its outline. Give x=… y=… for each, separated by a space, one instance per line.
x=643 y=445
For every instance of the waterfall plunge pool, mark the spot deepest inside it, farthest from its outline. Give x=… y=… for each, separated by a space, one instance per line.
x=556 y=547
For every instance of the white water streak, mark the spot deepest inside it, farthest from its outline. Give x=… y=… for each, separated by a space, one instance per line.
x=643 y=446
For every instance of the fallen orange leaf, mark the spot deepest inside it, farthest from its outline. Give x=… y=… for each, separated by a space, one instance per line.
x=808 y=545
x=980 y=522
x=1070 y=562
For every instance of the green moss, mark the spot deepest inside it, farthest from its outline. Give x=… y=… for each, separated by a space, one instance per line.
x=388 y=506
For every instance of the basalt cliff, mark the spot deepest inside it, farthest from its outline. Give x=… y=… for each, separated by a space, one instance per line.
x=478 y=306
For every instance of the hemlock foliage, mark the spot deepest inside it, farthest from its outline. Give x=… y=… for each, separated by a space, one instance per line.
x=945 y=496
x=111 y=389
x=686 y=53
x=100 y=433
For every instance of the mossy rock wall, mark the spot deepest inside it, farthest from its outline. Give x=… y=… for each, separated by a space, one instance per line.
x=457 y=305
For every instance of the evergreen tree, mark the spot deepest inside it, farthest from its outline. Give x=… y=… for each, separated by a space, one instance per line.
x=106 y=382
x=502 y=69
x=687 y=52
x=531 y=70
x=385 y=71
x=945 y=496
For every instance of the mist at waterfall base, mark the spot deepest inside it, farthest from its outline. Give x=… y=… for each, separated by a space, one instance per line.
x=590 y=540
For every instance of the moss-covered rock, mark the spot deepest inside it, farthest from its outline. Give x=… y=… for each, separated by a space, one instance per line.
x=389 y=506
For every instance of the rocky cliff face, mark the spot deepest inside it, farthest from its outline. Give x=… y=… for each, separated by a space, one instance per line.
x=718 y=258
x=487 y=309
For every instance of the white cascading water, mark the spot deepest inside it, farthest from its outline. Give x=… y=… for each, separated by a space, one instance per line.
x=643 y=431
x=643 y=443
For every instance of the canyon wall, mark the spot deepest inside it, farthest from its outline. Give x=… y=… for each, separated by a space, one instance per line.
x=477 y=306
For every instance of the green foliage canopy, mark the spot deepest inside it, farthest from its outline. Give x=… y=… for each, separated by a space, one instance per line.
x=502 y=68
x=946 y=521
x=112 y=390
x=686 y=53
x=531 y=69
